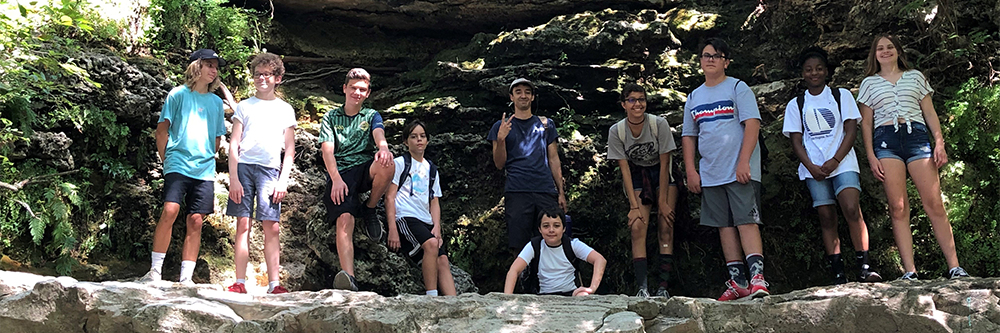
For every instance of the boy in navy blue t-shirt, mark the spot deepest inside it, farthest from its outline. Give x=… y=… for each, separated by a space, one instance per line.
x=527 y=147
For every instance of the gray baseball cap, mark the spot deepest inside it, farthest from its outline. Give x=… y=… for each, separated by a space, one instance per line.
x=520 y=81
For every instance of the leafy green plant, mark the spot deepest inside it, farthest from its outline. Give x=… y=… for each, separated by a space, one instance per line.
x=972 y=185
x=187 y=25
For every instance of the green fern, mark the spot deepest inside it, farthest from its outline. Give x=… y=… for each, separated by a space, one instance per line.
x=37 y=227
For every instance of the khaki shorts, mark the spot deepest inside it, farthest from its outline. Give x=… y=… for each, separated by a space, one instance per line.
x=730 y=205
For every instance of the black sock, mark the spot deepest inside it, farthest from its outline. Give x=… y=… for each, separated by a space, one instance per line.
x=738 y=272
x=756 y=263
x=639 y=264
x=666 y=265
x=862 y=259
x=836 y=264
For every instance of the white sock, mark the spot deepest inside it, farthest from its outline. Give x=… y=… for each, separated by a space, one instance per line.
x=243 y=281
x=432 y=292
x=271 y=285
x=157 y=265
x=187 y=270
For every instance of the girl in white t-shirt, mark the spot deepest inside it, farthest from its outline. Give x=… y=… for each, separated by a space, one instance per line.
x=822 y=130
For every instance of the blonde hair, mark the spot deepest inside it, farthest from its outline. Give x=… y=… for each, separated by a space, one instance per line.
x=193 y=72
x=872 y=66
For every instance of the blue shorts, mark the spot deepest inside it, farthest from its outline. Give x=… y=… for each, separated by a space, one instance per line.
x=198 y=196
x=824 y=192
x=908 y=147
x=258 y=183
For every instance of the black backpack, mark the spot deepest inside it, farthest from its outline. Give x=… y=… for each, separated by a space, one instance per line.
x=407 y=160
x=760 y=133
x=801 y=101
x=531 y=285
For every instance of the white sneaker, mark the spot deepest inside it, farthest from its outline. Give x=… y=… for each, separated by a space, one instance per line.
x=186 y=282
x=151 y=276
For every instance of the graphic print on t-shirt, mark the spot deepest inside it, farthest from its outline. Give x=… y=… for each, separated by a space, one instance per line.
x=714 y=111
x=819 y=122
x=417 y=178
x=641 y=151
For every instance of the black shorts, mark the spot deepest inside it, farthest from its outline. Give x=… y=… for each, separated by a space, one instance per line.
x=521 y=214
x=412 y=234
x=358 y=180
x=197 y=195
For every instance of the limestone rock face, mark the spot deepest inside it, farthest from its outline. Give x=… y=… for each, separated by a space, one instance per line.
x=32 y=303
x=444 y=15
x=50 y=148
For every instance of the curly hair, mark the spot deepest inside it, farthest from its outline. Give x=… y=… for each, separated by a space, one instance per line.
x=271 y=60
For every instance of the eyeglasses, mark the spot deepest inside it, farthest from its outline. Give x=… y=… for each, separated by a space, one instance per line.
x=265 y=75
x=631 y=100
x=708 y=56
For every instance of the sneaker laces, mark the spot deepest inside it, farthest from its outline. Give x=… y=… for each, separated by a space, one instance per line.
x=758 y=279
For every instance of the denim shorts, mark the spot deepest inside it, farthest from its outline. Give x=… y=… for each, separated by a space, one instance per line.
x=258 y=183
x=824 y=192
x=901 y=145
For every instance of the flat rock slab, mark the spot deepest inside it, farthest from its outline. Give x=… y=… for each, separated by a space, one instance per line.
x=32 y=303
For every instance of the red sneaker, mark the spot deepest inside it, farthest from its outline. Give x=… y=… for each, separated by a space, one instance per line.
x=238 y=288
x=758 y=287
x=734 y=292
x=278 y=290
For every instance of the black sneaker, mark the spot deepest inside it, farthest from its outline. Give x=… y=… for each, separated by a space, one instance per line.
x=957 y=272
x=909 y=276
x=869 y=276
x=662 y=292
x=840 y=279
x=373 y=226
x=345 y=281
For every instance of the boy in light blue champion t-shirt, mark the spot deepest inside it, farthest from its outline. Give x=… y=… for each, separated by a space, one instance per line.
x=188 y=134
x=721 y=121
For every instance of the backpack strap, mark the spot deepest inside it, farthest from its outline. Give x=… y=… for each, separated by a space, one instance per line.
x=407 y=160
x=651 y=119
x=567 y=245
x=430 y=185
x=836 y=97
x=532 y=285
x=620 y=125
x=801 y=101
x=545 y=121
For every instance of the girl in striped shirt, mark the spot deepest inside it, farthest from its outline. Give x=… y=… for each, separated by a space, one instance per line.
x=896 y=117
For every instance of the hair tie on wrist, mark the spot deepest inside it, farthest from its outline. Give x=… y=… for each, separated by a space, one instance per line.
x=835 y=158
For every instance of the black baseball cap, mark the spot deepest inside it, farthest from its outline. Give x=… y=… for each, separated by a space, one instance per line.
x=520 y=81
x=207 y=54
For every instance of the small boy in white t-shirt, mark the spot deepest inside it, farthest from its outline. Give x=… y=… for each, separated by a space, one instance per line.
x=412 y=201
x=262 y=126
x=556 y=274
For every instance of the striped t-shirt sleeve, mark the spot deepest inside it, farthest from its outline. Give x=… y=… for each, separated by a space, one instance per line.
x=865 y=92
x=923 y=87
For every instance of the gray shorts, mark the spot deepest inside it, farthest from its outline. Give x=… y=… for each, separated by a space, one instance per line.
x=730 y=205
x=258 y=186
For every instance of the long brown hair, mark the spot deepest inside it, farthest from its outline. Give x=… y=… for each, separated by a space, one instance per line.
x=872 y=66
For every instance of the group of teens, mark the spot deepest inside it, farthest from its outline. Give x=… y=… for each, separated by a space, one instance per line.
x=721 y=124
